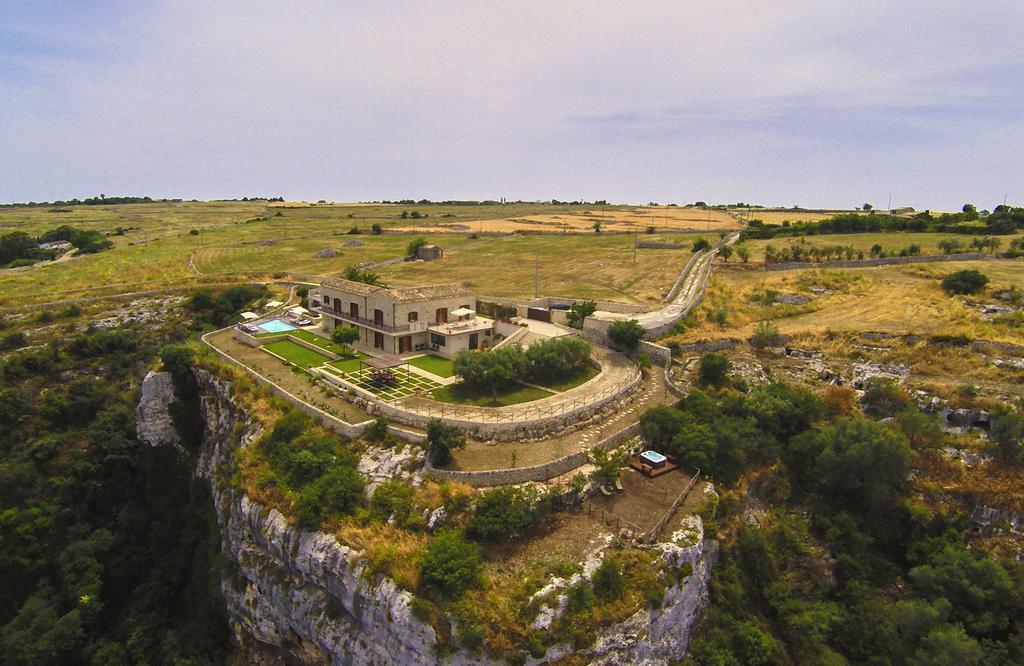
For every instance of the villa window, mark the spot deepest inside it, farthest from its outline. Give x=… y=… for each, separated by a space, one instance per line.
x=414 y=316
x=442 y=316
x=437 y=339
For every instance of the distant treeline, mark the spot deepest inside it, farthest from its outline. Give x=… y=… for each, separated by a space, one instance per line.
x=101 y=200
x=1004 y=220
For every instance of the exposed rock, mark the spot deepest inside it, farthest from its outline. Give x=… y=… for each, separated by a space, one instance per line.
x=327 y=253
x=355 y=242
x=436 y=518
x=865 y=372
x=153 y=424
x=401 y=462
x=989 y=520
x=1011 y=363
x=792 y=299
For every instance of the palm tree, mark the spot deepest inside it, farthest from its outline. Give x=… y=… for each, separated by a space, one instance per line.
x=357 y=274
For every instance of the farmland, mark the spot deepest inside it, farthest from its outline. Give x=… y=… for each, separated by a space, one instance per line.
x=891 y=243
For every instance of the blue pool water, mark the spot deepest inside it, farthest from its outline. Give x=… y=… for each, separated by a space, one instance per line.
x=654 y=458
x=276 y=326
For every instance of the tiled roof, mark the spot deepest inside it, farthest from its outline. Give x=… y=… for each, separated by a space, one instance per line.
x=400 y=294
x=350 y=286
x=427 y=292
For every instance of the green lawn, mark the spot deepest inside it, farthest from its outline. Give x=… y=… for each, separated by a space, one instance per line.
x=572 y=380
x=348 y=364
x=311 y=338
x=442 y=367
x=513 y=394
x=296 y=354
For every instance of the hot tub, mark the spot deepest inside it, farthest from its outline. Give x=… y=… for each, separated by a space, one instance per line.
x=653 y=458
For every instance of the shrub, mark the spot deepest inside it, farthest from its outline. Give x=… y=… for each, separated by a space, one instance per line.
x=376 y=229
x=766 y=334
x=441 y=440
x=713 y=369
x=502 y=513
x=14 y=340
x=608 y=583
x=557 y=357
x=626 y=335
x=415 y=245
x=377 y=431
x=968 y=281
x=392 y=498
x=579 y=597
x=884 y=397
x=338 y=492
x=450 y=566
x=701 y=244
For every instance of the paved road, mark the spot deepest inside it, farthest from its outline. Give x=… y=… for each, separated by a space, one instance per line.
x=688 y=294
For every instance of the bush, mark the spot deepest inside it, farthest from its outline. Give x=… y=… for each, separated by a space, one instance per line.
x=626 y=335
x=713 y=369
x=441 y=440
x=415 y=245
x=502 y=513
x=450 y=566
x=14 y=340
x=579 y=597
x=884 y=397
x=557 y=357
x=338 y=492
x=965 y=282
x=766 y=334
x=701 y=244
x=392 y=498
x=376 y=229
x=377 y=431
x=608 y=583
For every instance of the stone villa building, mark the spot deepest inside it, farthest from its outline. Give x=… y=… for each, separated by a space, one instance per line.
x=399 y=320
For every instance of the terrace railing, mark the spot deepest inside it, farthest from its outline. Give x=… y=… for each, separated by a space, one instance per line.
x=411 y=327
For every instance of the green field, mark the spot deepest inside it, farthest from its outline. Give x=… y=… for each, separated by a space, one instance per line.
x=348 y=364
x=513 y=394
x=442 y=367
x=296 y=354
x=313 y=339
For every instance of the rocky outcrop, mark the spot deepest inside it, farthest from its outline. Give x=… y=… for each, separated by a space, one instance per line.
x=153 y=423
x=301 y=593
x=295 y=596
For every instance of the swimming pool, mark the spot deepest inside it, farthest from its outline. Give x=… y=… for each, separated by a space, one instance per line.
x=276 y=326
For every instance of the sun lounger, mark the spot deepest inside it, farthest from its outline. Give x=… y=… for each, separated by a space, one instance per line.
x=618 y=485
x=605 y=491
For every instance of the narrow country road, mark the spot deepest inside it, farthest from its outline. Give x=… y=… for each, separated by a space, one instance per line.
x=697 y=272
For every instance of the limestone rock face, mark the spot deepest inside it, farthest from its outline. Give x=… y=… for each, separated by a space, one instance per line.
x=300 y=597
x=153 y=420
x=301 y=593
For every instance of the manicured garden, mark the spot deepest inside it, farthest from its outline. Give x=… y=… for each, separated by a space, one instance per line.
x=349 y=364
x=313 y=339
x=390 y=384
x=437 y=365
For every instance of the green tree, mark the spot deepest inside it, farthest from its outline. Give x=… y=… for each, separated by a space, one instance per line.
x=713 y=369
x=376 y=229
x=608 y=582
x=356 y=274
x=596 y=226
x=442 y=439
x=700 y=244
x=609 y=466
x=451 y=565
x=491 y=370
x=414 y=246
x=501 y=513
x=743 y=252
x=626 y=334
x=579 y=311
x=345 y=335
x=725 y=252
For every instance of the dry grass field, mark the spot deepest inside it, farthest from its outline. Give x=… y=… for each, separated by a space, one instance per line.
x=156 y=248
x=894 y=299
x=592 y=266
x=779 y=216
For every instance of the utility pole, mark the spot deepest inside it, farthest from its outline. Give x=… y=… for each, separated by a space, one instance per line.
x=536 y=275
x=890 y=203
x=636 y=230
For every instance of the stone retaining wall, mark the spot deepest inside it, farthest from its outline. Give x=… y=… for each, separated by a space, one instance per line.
x=542 y=472
x=659 y=354
x=860 y=263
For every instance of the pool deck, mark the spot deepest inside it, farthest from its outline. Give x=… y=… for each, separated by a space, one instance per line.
x=647 y=469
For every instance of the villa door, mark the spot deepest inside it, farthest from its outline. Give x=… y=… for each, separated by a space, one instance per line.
x=404 y=344
x=378 y=340
x=353 y=309
x=442 y=315
x=378 y=317
x=474 y=340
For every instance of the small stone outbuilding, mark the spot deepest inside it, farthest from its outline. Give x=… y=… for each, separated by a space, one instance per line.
x=429 y=252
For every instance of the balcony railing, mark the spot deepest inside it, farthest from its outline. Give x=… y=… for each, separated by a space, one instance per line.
x=411 y=327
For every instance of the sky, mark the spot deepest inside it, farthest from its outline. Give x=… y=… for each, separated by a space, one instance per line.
x=816 y=104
